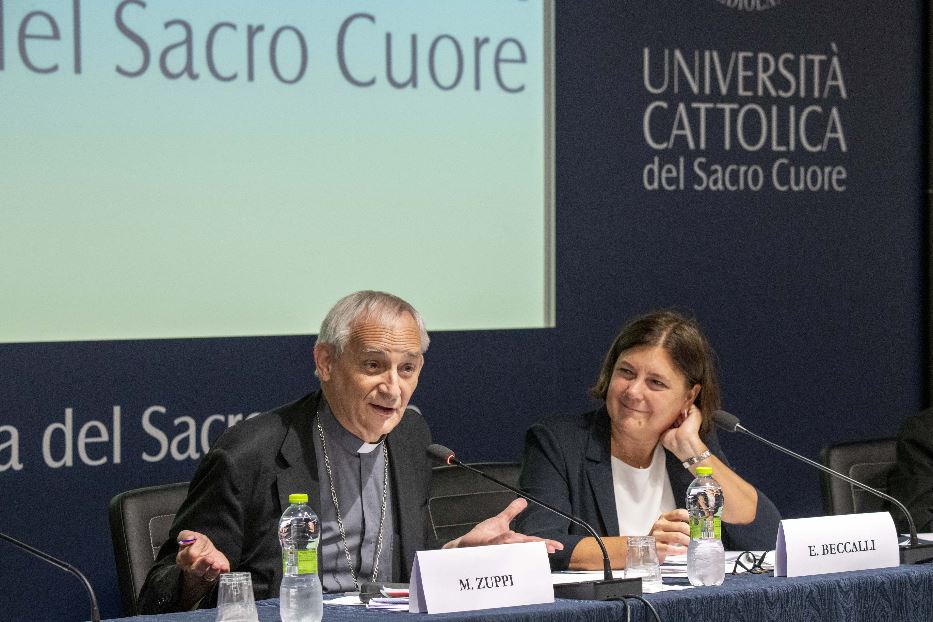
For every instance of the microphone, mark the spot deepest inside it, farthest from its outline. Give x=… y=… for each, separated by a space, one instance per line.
x=95 y=613
x=913 y=553
x=609 y=588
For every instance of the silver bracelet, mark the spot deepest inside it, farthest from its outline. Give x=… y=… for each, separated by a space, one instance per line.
x=689 y=462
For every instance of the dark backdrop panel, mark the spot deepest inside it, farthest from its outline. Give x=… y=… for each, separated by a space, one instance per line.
x=814 y=301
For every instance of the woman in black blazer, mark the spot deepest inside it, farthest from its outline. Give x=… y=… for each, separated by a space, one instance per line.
x=639 y=452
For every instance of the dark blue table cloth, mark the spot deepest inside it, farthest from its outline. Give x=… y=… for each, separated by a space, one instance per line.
x=902 y=593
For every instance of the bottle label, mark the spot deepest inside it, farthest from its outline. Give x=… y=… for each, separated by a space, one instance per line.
x=299 y=562
x=701 y=527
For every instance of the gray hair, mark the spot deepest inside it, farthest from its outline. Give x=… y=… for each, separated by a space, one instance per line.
x=378 y=306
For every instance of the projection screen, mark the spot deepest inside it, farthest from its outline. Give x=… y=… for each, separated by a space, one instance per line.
x=231 y=168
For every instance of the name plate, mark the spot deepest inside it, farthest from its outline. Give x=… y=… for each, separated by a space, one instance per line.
x=480 y=577
x=807 y=546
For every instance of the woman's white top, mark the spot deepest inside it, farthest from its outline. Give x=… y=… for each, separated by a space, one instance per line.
x=641 y=494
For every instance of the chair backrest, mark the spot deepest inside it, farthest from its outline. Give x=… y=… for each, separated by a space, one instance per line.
x=461 y=499
x=140 y=520
x=866 y=461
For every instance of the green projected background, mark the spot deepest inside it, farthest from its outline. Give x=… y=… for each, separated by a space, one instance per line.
x=220 y=168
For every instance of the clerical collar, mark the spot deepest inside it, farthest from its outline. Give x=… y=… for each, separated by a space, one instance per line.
x=343 y=437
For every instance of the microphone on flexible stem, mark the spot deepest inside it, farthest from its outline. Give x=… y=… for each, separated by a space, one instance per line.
x=914 y=552
x=609 y=588
x=95 y=613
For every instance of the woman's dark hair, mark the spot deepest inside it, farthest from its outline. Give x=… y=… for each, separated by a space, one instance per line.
x=683 y=341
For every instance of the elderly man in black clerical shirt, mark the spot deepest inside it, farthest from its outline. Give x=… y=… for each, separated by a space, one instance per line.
x=354 y=446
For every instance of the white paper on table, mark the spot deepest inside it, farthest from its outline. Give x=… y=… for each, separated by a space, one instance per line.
x=347 y=599
x=675 y=566
x=388 y=604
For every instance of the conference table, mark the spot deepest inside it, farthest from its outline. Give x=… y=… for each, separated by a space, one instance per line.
x=900 y=593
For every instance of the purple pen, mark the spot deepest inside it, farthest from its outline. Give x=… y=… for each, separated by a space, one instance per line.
x=188 y=541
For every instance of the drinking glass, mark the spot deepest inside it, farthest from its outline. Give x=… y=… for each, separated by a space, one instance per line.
x=641 y=560
x=235 y=601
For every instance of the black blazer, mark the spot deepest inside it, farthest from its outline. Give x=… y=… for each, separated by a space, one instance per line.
x=567 y=463
x=911 y=481
x=241 y=488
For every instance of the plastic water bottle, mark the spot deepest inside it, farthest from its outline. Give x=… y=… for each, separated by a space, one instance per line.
x=705 y=555
x=300 y=597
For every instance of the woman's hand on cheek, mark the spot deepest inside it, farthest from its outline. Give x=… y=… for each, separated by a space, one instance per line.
x=685 y=432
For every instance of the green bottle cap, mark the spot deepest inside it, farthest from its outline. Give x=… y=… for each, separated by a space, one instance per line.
x=703 y=471
x=298 y=497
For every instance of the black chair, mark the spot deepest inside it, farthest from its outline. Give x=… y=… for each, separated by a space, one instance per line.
x=866 y=461
x=140 y=520
x=461 y=499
